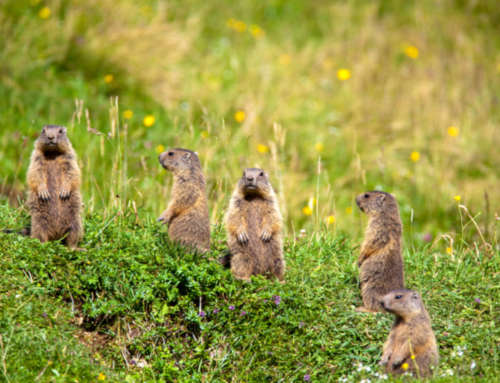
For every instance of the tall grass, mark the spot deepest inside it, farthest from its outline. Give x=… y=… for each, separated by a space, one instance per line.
x=415 y=71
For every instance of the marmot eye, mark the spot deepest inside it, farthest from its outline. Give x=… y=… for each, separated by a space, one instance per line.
x=398 y=297
x=261 y=174
x=366 y=195
x=60 y=131
x=170 y=153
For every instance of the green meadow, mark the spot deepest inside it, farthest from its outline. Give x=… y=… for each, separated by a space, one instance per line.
x=332 y=98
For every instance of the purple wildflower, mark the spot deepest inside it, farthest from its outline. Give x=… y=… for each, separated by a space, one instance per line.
x=231 y=307
x=276 y=299
x=202 y=314
x=307 y=378
x=216 y=310
x=477 y=300
x=427 y=237
x=264 y=301
x=243 y=313
x=301 y=324
x=44 y=315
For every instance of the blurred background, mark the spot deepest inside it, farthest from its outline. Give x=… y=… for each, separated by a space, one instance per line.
x=332 y=98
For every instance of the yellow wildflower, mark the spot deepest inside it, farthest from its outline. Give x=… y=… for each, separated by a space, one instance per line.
x=284 y=59
x=319 y=146
x=160 y=149
x=261 y=148
x=49 y=363
x=411 y=51
x=236 y=25
x=149 y=120
x=348 y=210
x=101 y=376
x=108 y=79
x=44 y=13
x=457 y=198
x=256 y=31
x=453 y=131
x=343 y=74
x=128 y=114
x=330 y=220
x=307 y=210
x=240 y=116
x=449 y=250
x=405 y=366
x=204 y=134
x=412 y=357
x=415 y=156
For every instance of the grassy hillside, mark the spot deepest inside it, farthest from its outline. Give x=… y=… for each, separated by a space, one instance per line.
x=135 y=308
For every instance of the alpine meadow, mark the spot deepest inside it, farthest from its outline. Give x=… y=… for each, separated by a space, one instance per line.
x=332 y=99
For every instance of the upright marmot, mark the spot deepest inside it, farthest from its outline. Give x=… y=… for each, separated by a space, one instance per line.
x=187 y=212
x=54 y=188
x=380 y=261
x=411 y=345
x=254 y=224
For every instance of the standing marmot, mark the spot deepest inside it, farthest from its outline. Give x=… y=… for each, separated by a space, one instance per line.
x=253 y=224
x=380 y=261
x=54 y=188
x=411 y=345
x=187 y=212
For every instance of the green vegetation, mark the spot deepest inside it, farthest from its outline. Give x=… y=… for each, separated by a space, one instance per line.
x=332 y=98
x=136 y=308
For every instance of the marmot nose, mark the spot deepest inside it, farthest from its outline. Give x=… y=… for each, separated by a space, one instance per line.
x=382 y=304
x=250 y=179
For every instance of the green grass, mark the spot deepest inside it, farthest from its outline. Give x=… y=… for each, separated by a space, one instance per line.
x=133 y=299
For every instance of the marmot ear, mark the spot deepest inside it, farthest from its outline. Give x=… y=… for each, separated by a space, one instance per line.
x=187 y=155
x=414 y=296
x=380 y=200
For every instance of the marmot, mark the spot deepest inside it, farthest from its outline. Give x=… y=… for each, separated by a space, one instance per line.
x=380 y=261
x=54 y=188
x=254 y=224
x=411 y=345
x=187 y=212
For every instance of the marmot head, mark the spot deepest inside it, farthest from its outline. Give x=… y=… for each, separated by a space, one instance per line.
x=255 y=181
x=374 y=202
x=404 y=303
x=179 y=160
x=53 y=138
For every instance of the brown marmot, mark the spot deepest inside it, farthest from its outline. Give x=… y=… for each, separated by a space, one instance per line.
x=411 y=345
x=380 y=261
x=254 y=224
x=54 y=188
x=187 y=212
